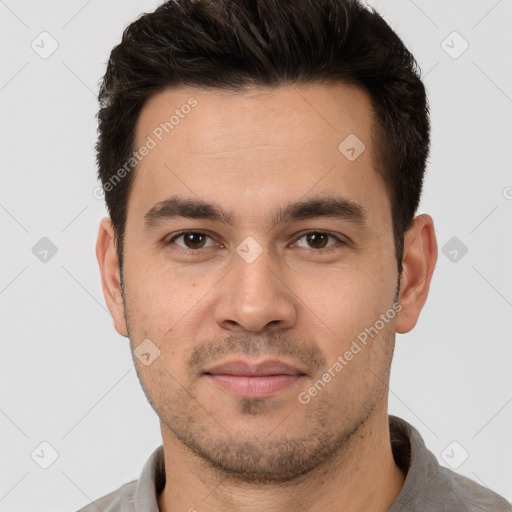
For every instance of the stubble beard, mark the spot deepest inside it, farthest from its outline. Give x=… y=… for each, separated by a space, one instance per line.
x=247 y=457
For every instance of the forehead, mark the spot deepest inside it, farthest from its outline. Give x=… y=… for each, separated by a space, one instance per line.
x=249 y=145
x=289 y=115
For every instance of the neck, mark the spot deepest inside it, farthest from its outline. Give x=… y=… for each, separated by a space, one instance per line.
x=361 y=476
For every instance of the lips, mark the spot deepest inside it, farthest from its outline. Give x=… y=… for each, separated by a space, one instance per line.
x=249 y=380
x=244 y=368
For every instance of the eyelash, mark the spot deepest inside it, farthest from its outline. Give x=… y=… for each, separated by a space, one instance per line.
x=196 y=251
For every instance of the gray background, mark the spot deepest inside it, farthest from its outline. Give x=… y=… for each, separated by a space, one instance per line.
x=67 y=376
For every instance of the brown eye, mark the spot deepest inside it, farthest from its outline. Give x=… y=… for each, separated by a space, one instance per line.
x=194 y=240
x=317 y=240
x=191 y=240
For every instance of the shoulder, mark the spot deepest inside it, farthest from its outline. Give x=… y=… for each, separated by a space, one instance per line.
x=141 y=494
x=430 y=487
x=120 y=500
x=475 y=497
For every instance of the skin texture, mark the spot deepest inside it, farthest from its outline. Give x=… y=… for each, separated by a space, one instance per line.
x=302 y=301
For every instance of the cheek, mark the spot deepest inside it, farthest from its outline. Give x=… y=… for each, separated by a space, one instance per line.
x=347 y=300
x=164 y=306
x=160 y=293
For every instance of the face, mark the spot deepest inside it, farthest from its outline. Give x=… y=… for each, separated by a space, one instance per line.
x=259 y=274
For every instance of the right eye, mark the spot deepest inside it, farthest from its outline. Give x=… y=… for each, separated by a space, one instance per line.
x=191 y=241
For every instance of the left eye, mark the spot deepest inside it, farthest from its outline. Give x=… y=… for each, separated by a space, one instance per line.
x=317 y=240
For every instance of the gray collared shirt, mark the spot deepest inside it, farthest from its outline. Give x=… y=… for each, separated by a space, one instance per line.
x=428 y=486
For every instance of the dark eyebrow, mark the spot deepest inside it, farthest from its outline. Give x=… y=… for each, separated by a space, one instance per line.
x=323 y=207
x=188 y=208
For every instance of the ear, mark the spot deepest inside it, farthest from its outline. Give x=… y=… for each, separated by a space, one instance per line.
x=419 y=261
x=111 y=275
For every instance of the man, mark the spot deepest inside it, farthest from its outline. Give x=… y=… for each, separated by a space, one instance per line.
x=262 y=163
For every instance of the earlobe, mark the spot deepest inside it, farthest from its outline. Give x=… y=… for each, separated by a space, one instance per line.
x=110 y=275
x=419 y=261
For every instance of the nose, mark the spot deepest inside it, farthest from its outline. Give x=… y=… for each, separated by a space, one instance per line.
x=254 y=297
